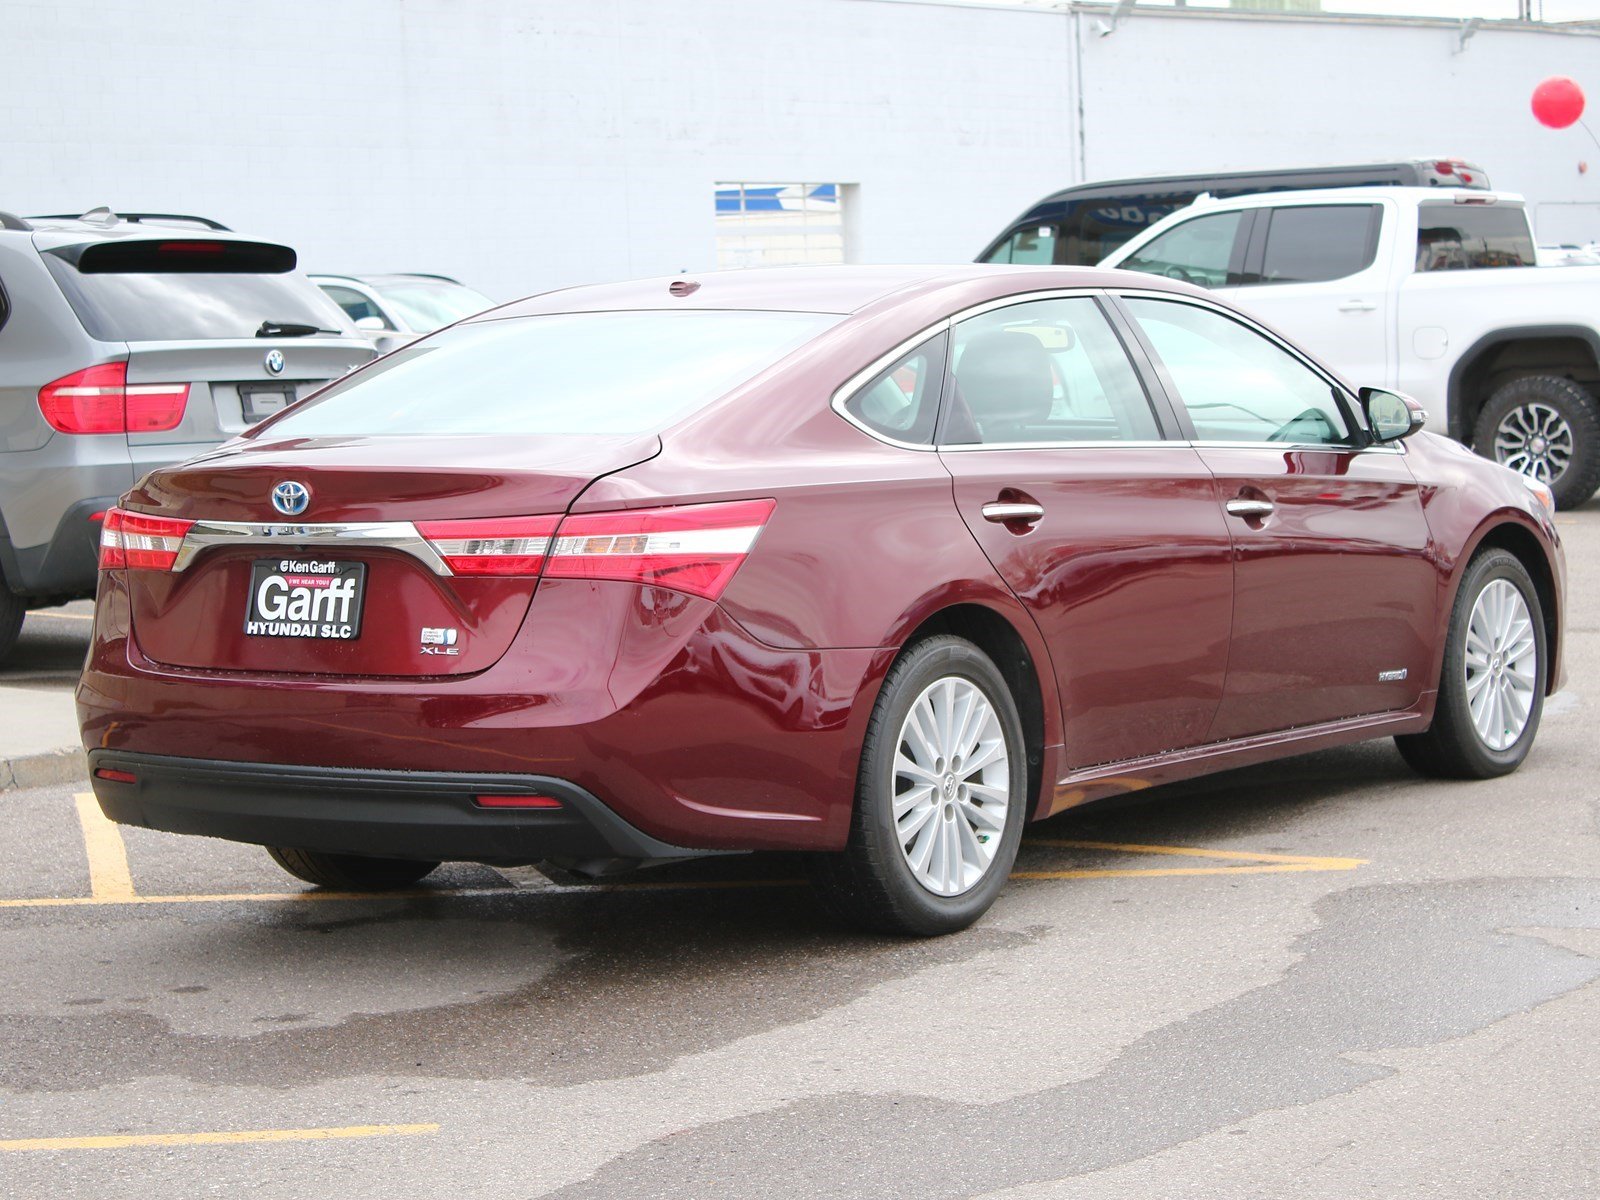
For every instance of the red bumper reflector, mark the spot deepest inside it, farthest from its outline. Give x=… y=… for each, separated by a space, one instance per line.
x=116 y=776
x=518 y=802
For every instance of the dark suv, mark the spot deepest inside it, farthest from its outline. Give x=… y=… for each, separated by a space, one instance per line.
x=130 y=341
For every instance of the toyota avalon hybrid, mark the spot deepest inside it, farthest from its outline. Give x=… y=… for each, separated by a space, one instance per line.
x=876 y=564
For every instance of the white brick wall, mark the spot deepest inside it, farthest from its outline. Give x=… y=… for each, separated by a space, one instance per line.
x=524 y=144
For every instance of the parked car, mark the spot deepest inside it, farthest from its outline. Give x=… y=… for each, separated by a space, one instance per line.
x=1080 y=225
x=126 y=346
x=873 y=563
x=1433 y=291
x=392 y=310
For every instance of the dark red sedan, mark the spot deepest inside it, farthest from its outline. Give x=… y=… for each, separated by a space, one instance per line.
x=878 y=563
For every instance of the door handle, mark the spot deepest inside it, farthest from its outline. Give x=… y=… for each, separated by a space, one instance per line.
x=1003 y=512
x=1256 y=509
x=1357 y=306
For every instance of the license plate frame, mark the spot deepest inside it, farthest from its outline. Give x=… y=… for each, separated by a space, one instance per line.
x=257 y=402
x=304 y=597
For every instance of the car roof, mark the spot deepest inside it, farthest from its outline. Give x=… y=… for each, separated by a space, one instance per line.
x=391 y=277
x=1354 y=195
x=49 y=233
x=831 y=289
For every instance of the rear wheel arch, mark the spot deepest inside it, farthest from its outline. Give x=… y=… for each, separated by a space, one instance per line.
x=1563 y=351
x=1006 y=647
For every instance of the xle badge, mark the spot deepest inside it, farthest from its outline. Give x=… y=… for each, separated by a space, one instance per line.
x=439 y=641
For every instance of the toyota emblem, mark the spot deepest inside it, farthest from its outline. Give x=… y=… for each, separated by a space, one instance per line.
x=274 y=362
x=291 y=498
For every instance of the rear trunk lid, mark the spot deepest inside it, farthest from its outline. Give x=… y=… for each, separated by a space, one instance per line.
x=348 y=586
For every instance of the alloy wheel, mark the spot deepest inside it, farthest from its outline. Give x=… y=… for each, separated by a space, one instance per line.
x=952 y=786
x=1502 y=664
x=1536 y=440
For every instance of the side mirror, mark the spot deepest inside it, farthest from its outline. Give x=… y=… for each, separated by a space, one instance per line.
x=1391 y=416
x=372 y=325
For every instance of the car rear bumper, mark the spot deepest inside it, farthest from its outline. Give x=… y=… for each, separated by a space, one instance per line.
x=430 y=816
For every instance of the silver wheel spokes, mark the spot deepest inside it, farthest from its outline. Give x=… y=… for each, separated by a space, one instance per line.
x=951 y=786
x=1536 y=440
x=1502 y=665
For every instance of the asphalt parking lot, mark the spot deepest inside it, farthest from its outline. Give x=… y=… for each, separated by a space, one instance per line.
x=1323 y=978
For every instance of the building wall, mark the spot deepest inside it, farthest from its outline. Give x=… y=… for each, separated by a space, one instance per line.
x=524 y=144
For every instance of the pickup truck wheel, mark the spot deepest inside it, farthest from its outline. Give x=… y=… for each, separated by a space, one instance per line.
x=12 y=610
x=1546 y=427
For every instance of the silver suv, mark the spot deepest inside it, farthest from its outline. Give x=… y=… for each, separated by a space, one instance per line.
x=128 y=341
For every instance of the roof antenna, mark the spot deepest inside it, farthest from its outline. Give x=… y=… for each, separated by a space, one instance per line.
x=100 y=216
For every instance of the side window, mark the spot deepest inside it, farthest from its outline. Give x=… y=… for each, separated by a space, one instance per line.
x=1236 y=384
x=1034 y=243
x=903 y=402
x=1200 y=251
x=1459 y=237
x=1044 y=371
x=1314 y=243
x=355 y=305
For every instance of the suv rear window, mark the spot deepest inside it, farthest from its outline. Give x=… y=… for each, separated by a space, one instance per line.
x=149 y=291
x=1458 y=237
x=566 y=373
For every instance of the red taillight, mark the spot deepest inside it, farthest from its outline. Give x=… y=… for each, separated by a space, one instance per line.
x=491 y=546
x=130 y=540
x=116 y=776
x=100 y=400
x=517 y=802
x=693 y=548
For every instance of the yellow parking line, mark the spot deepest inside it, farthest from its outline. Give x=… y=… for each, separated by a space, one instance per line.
x=1313 y=862
x=109 y=879
x=219 y=1138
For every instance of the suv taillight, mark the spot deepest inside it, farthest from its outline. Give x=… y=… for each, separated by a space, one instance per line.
x=692 y=548
x=130 y=540
x=100 y=400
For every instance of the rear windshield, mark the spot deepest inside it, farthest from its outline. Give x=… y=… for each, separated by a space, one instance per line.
x=186 y=305
x=567 y=373
x=1465 y=237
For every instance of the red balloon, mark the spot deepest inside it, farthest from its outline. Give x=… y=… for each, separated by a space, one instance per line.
x=1557 y=102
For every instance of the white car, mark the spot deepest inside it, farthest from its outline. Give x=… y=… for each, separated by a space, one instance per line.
x=391 y=310
x=1431 y=291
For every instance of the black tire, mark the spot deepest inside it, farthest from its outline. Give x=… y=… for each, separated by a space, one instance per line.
x=1575 y=406
x=1451 y=748
x=870 y=883
x=12 y=609
x=349 y=872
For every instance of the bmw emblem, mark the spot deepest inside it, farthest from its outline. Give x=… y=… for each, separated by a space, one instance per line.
x=291 y=498
x=274 y=362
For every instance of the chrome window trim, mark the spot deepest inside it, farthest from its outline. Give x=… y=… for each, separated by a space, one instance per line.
x=1145 y=444
x=861 y=378
x=1318 y=447
x=401 y=536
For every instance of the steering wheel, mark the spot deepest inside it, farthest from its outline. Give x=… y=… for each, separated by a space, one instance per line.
x=1176 y=272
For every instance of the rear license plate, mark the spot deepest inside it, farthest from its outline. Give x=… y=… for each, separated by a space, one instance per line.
x=305 y=598
x=259 y=403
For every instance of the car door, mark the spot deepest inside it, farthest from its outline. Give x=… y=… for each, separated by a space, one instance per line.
x=1109 y=532
x=1320 y=273
x=1335 y=592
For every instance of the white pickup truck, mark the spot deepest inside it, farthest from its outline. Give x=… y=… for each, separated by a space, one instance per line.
x=1428 y=291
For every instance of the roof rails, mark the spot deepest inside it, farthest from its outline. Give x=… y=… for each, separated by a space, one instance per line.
x=104 y=216
x=11 y=221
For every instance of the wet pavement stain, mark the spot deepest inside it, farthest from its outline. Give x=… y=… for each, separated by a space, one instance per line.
x=1387 y=967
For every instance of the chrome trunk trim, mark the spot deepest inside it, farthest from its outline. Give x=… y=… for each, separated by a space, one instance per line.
x=401 y=536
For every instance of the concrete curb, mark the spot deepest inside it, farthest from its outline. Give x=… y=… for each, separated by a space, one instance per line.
x=42 y=770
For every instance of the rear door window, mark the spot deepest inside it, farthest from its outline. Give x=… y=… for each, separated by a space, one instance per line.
x=1317 y=242
x=186 y=290
x=564 y=373
x=1461 y=237
x=1044 y=371
x=1206 y=251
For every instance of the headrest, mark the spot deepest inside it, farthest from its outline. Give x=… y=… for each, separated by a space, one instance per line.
x=1006 y=380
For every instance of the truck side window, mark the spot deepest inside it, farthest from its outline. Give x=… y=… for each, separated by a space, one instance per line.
x=1034 y=243
x=1459 y=237
x=1318 y=242
x=1200 y=251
